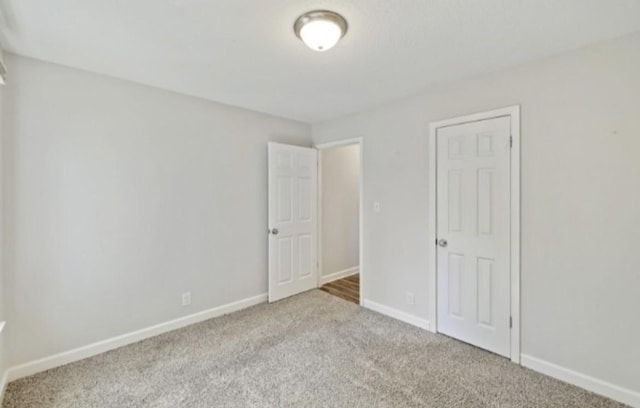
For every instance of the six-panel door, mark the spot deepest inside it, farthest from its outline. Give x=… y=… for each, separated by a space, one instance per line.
x=292 y=220
x=473 y=226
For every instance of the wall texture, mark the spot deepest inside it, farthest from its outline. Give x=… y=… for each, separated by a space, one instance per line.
x=119 y=198
x=340 y=209
x=580 y=195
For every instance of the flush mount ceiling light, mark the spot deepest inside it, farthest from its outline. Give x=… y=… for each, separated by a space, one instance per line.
x=320 y=30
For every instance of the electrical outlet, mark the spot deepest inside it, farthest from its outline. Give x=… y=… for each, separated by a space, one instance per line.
x=376 y=206
x=411 y=299
x=186 y=299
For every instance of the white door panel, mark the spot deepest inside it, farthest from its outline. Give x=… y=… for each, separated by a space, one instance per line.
x=292 y=220
x=473 y=218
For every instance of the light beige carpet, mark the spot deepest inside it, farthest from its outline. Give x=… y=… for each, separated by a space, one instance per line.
x=313 y=350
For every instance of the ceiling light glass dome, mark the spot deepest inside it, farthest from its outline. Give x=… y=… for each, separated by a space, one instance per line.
x=320 y=30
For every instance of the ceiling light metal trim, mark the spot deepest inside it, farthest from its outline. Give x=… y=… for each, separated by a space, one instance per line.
x=320 y=15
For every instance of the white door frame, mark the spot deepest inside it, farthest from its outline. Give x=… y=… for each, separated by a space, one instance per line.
x=514 y=250
x=323 y=146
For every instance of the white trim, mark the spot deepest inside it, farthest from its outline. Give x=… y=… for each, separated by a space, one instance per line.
x=397 y=314
x=3 y=384
x=322 y=146
x=592 y=384
x=514 y=113
x=338 y=143
x=57 y=360
x=320 y=264
x=514 y=253
x=432 y=225
x=5 y=375
x=339 y=275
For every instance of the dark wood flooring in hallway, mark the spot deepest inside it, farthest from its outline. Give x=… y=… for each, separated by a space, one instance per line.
x=346 y=288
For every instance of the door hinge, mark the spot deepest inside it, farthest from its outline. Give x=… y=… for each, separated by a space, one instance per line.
x=510 y=322
x=510 y=141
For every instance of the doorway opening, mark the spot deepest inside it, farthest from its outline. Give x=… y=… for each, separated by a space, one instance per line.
x=301 y=218
x=340 y=219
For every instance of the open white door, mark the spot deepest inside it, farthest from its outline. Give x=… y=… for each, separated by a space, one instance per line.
x=293 y=193
x=473 y=213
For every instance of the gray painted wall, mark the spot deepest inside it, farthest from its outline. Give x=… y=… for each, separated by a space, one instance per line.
x=580 y=195
x=119 y=198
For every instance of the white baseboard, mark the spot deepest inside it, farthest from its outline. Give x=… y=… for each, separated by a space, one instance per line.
x=57 y=360
x=339 y=275
x=397 y=314
x=592 y=384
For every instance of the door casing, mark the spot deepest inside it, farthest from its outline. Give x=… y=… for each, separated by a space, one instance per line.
x=514 y=251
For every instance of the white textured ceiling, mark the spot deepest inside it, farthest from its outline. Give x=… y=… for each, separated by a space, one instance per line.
x=244 y=52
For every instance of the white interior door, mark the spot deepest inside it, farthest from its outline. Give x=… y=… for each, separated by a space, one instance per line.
x=473 y=273
x=293 y=193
